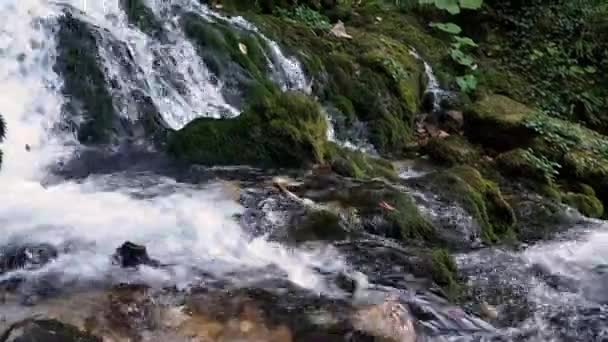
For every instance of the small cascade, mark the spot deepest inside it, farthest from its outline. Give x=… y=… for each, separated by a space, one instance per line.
x=358 y=144
x=287 y=71
x=433 y=89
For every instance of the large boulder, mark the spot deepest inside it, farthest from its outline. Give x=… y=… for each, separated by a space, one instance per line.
x=279 y=129
x=498 y=122
x=378 y=207
x=481 y=198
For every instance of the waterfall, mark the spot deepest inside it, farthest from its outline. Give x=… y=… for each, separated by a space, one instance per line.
x=432 y=86
x=190 y=227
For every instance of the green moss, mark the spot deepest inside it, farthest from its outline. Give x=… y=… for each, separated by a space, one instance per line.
x=444 y=272
x=140 y=15
x=319 y=225
x=372 y=76
x=452 y=150
x=84 y=82
x=281 y=129
x=523 y=163
x=588 y=205
x=404 y=220
x=221 y=45
x=499 y=122
x=481 y=198
x=359 y=165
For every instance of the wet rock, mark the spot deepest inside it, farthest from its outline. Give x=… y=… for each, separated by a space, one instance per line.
x=389 y=320
x=131 y=309
x=28 y=257
x=131 y=255
x=488 y=311
x=46 y=331
x=340 y=31
x=453 y=121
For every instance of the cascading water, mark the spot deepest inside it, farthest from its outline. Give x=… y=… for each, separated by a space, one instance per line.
x=197 y=231
x=191 y=228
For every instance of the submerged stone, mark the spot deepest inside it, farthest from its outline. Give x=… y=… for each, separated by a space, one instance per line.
x=46 y=330
x=29 y=257
x=131 y=255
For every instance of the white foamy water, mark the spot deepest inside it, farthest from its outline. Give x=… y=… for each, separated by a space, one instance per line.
x=190 y=227
x=432 y=85
x=287 y=71
x=169 y=72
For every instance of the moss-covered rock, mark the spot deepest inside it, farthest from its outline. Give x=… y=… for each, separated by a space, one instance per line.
x=497 y=121
x=381 y=81
x=359 y=165
x=444 y=272
x=588 y=205
x=525 y=164
x=142 y=16
x=481 y=198
x=453 y=150
x=236 y=56
x=279 y=129
x=389 y=212
x=381 y=209
x=84 y=82
x=318 y=225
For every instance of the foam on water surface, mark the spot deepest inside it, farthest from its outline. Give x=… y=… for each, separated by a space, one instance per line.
x=192 y=228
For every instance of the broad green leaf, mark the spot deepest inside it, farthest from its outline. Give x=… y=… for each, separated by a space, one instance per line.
x=590 y=69
x=467 y=83
x=471 y=4
x=450 y=28
x=462 y=58
x=448 y=5
x=465 y=41
x=577 y=69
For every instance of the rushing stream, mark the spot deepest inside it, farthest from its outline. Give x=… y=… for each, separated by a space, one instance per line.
x=197 y=229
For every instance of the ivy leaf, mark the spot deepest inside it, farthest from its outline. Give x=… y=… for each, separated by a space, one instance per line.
x=471 y=4
x=448 y=5
x=450 y=28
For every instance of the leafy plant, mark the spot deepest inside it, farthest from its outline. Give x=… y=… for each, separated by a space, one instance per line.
x=467 y=83
x=450 y=28
x=454 y=6
x=549 y=169
x=308 y=16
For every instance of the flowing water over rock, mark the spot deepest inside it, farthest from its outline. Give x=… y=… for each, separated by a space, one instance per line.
x=113 y=240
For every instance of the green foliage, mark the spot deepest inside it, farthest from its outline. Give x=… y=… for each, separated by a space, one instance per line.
x=450 y=28
x=546 y=167
x=561 y=48
x=467 y=83
x=459 y=49
x=454 y=6
x=308 y=16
